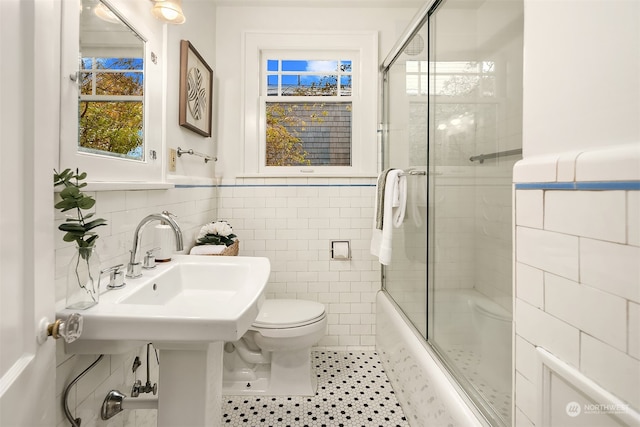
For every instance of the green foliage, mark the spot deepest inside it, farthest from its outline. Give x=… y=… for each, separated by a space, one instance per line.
x=113 y=126
x=284 y=148
x=77 y=229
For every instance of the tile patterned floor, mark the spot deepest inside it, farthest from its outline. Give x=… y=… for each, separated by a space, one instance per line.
x=353 y=391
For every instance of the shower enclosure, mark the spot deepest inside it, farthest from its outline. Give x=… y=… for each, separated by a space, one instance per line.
x=452 y=119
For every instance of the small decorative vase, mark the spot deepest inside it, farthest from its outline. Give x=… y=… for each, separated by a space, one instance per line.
x=83 y=279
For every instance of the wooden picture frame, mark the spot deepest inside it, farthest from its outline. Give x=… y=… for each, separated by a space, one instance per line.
x=196 y=90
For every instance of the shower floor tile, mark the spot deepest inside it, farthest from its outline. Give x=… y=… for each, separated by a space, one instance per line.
x=467 y=361
x=353 y=390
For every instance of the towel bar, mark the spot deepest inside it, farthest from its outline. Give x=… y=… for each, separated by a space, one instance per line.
x=206 y=157
x=413 y=173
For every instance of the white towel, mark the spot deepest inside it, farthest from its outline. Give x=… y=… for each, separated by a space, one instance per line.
x=395 y=202
x=207 y=249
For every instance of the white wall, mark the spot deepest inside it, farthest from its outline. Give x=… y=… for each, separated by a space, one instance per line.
x=200 y=31
x=232 y=21
x=582 y=74
x=577 y=251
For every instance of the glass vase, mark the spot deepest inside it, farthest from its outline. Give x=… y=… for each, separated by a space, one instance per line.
x=83 y=279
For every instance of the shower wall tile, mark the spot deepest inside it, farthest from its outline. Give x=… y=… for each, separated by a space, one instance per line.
x=521 y=419
x=558 y=290
x=587 y=251
x=548 y=251
x=633 y=213
x=530 y=284
x=541 y=328
x=531 y=213
x=596 y=214
x=615 y=163
x=612 y=369
x=525 y=397
x=634 y=330
x=527 y=358
x=611 y=267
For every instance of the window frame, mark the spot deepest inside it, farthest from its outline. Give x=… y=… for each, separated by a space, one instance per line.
x=359 y=47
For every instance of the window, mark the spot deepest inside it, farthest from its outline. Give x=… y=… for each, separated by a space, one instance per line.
x=312 y=104
x=308 y=110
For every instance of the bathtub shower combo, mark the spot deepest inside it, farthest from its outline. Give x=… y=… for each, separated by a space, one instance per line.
x=452 y=106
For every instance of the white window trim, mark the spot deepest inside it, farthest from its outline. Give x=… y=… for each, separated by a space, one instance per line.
x=364 y=134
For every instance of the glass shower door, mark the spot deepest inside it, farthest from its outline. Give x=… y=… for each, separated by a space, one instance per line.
x=475 y=99
x=452 y=103
x=405 y=147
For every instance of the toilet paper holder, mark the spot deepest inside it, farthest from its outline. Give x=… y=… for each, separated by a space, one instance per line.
x=341 y=250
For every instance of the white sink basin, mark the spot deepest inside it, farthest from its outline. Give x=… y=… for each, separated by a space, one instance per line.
x=190 y=301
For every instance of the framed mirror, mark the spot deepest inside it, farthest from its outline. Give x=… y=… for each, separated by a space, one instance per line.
x=111 y=84
x=112 y=93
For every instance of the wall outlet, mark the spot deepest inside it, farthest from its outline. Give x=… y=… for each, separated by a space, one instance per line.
x=172 y=159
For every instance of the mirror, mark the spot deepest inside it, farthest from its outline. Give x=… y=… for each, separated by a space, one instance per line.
x=111 y=84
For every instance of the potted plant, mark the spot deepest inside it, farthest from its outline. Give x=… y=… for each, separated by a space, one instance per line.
x=83 y=277
x=216 y=238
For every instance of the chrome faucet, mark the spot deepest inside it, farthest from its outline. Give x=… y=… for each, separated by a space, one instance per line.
x=134 y=269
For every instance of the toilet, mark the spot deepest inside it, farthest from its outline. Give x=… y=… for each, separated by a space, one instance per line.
x=274 y=356
x=492 y=324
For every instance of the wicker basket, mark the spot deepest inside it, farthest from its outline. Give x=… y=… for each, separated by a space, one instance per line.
x=230 y=250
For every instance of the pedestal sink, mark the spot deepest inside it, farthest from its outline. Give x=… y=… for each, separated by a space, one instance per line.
x=187 y=309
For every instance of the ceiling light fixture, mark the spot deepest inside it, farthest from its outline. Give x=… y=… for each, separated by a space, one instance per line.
x=104 y=13
x=168 y=10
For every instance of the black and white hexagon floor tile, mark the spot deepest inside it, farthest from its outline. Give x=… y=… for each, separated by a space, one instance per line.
x=353 y=391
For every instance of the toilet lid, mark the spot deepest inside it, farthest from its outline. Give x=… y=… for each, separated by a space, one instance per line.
x=288 y=313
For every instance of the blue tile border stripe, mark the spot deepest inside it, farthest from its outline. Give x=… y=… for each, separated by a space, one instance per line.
x=269 y=185
x=582 y=185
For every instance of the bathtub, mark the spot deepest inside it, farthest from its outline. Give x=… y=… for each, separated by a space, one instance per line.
x=425 y=391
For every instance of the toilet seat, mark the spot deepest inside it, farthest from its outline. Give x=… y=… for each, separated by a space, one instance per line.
x=288 y=313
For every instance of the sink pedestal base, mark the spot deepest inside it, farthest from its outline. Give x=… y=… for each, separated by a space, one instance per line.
x=190 y=386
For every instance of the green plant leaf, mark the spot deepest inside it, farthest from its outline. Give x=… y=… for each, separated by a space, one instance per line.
x=69 y=237
x=95 y=223
x=70 y=192
x=86 y=203
x=72 y=228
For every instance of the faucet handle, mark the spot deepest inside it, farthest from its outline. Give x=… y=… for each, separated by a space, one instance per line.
x=116 y=277
x=150 y=259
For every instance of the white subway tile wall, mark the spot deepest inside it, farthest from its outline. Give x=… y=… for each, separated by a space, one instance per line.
x=578 y=277
x=123 y=210
x=292 y=222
